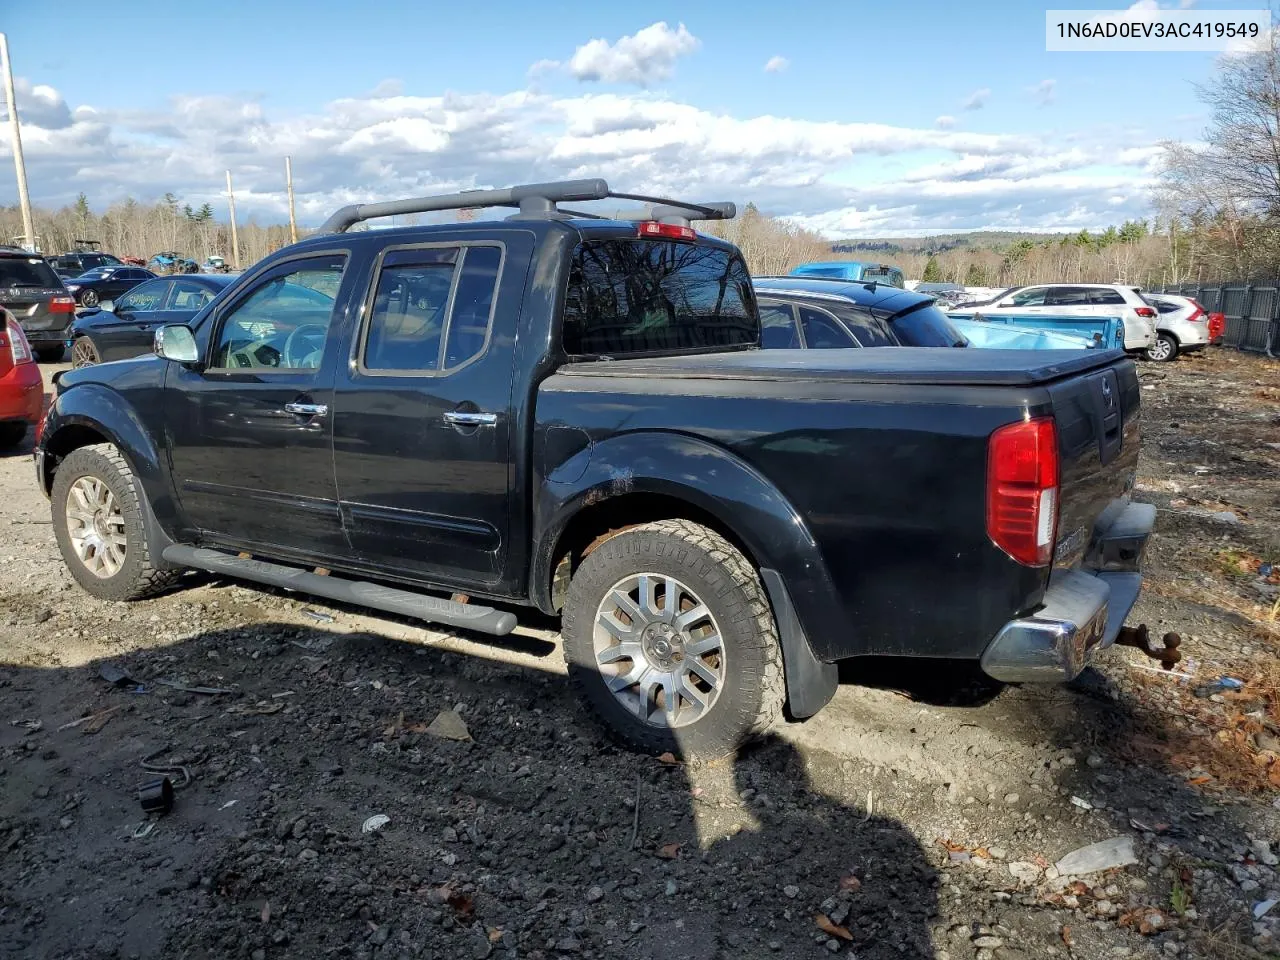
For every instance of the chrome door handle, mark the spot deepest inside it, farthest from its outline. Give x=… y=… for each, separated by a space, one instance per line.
x=460 y=418
x=306 y=409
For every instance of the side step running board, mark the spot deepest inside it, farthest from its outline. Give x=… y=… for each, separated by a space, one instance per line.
x=469 y=616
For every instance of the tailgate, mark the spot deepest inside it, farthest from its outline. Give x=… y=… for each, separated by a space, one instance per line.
x=31 y=307
x=1097 y=416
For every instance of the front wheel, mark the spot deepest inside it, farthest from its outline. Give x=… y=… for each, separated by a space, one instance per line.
x=84 y=353
x=100 y=528
x=669 y=636
x=1163 y=349
x=89 y=298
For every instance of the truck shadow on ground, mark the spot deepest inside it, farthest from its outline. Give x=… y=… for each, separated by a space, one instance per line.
x=535 y=836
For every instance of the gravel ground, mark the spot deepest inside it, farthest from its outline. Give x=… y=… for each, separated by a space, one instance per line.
x=923 y=814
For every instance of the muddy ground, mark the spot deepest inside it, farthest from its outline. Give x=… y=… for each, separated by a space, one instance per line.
x=921 y=815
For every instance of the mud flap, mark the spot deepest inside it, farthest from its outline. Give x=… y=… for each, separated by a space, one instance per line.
x=810 y=683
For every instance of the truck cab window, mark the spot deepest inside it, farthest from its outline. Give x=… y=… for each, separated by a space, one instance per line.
x=628 y=297
x=283 y=323
x=412 y=328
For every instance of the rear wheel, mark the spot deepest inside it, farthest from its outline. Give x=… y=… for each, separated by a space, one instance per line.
x=669 y=636
x=84 y=353
x=100 y=528
x=1163 y=348
x=89 y=298
x=50 y=354
x=11 y=434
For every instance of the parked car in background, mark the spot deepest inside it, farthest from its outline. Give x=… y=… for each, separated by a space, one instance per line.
x=21 y=385
x=1181 y=327
x=214 y=264
x=134 y=261
x=1076 y=299
x=75 y=264
x=126 y=327
x=816 y=314
x=852 y=270
x=35 y=295
x=105 y=283
x=171 y=262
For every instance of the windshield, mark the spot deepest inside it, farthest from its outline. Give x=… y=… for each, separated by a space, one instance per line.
x=629 y=297
x=926 y=326
x=17 y=272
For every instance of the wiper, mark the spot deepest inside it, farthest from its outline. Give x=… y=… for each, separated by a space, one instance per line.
x=15 y=286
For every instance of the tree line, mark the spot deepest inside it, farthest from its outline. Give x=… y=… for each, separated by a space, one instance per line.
x=1216 y=215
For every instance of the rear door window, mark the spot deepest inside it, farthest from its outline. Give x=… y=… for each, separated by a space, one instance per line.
x=1106 y=298
x=823 y=331
x=27 y=272
x=867 y=330
x=432 y=309
x=778 y=330
x=926 y=326
x=1069 y=297
x=1164 y=306
x=638 y=297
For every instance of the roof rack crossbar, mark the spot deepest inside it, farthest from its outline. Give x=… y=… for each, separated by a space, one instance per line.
x=532 y=200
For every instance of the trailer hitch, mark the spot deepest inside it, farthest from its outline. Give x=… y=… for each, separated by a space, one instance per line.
x=1140 y=637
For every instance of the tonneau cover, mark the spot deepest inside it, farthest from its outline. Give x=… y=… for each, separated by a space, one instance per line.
x=922 y=365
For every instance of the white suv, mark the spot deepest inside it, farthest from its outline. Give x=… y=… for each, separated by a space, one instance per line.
x=1078 y=300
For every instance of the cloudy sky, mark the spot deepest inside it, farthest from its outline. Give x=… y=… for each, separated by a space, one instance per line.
x=857 y=118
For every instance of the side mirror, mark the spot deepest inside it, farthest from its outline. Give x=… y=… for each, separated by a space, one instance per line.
x=176 y=342
x=1006 y=303
x=107 y=305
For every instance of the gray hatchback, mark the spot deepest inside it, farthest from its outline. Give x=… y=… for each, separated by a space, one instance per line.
x=35 y=295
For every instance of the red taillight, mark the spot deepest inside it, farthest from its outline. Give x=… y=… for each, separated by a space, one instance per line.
x=62 y=305
x=1022 y=490
x=19 y=349
x=1147 y=312
x=1217 y=325
x=1196 y=315
x=667 y=231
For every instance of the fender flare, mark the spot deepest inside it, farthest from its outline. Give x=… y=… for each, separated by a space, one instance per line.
x=103 y=411
x=743 y=501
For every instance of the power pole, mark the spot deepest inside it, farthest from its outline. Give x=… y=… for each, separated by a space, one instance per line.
x=24 y=198
x=288 y=179
x=235 y=237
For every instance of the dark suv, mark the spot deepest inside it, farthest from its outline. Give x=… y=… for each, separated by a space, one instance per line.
x=35 y=295
x=818 y=313
x=74 y=264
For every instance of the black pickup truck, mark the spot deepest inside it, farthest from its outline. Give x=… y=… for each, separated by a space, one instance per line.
x=573 y=413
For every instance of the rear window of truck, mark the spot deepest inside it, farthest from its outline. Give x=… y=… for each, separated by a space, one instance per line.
x=631 y=297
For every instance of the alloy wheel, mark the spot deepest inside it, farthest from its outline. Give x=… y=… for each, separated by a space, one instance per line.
x=95 y=526
x=659 y=650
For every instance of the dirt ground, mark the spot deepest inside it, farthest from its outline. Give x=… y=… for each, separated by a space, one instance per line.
x=921 y=815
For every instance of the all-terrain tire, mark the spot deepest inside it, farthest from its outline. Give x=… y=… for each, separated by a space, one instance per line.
x=138 y=576
x=752 y=691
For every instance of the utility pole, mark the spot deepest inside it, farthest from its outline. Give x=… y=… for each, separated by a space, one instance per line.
x=235 y=237
x=288 y=179
x=24 y=198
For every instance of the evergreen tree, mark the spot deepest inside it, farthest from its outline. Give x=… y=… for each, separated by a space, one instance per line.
x=932 y=272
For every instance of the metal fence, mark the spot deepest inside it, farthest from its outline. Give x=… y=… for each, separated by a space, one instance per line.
x=1252 y=312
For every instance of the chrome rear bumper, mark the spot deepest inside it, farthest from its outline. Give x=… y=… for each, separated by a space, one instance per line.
x=1082 y=610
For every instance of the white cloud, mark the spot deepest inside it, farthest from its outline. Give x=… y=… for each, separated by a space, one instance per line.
x=976 y=100
x=642 y=58
x=1044 y=92
x=776 y=64
x=834 y=176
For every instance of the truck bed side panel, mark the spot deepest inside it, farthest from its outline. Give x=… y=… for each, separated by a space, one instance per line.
x=889 y=479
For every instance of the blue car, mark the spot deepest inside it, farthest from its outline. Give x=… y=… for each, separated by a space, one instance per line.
x=852 y=270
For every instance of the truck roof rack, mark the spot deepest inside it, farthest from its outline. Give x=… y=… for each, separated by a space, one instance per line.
x=534 y=201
